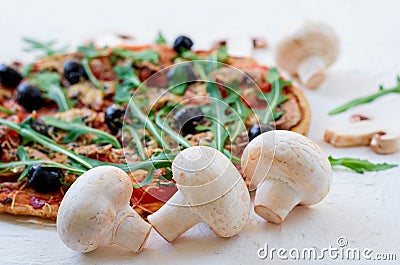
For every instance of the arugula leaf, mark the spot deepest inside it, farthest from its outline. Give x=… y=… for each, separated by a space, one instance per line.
x=47 y=48
x=358 y=165
x=129 y=81
x=136 y=139
x=6 y=111
x=30 y=135
x=160 y=39
x=49 y=83
x=78 y=128
x=92 y=51
x=274 y=98
x=179 y=79
x=136 y=57
x=26 y=69
x=367 y=99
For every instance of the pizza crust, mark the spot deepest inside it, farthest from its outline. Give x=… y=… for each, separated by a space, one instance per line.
x=304 y=125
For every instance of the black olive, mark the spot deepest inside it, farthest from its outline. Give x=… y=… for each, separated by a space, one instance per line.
x=74 y=71
x=257 y=129
x=114 y=118
x=40 y=126
x=29 y=96
x=182 y=43
x=187 y=118
x=44 y=179
x=181 y=73
x=9 y=77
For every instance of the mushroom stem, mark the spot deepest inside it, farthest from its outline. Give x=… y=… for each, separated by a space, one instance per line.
x=275 y=199
x=311 y=71
x=130 y=226
x=174 y=218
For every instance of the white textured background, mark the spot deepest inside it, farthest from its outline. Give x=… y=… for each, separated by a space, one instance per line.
x=363 y=208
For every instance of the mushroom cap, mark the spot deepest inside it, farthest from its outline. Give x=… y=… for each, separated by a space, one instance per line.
x=311 y=38
x=292 y=158
x=88 y=210
x=213 y=187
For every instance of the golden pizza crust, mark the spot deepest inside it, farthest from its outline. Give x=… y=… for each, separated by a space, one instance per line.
x=304 y=125
x=47 y=211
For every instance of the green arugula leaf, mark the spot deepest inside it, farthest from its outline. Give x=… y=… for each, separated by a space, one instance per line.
x=129 y=81
x=46 y=48
x=367 y=99
x=358 y=165
x=137 y=57
x=30 y=135
x=78 y=128
x=92 y=78
x=49 y=83
x=274 y=98
x=92 y=51
x=6 y=111
x=160 y=39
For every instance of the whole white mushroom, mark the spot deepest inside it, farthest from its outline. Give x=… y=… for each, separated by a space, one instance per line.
x=288 y=169
x=210 y=190
x=95 y=211
x=307 y=51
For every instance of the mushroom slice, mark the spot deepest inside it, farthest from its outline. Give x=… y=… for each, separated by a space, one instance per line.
x=95 y=210
x=307 y=51
x=210 y=190
x=382 y=137
x=288 y=169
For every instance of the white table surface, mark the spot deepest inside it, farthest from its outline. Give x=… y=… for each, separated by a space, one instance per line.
x=363 y=208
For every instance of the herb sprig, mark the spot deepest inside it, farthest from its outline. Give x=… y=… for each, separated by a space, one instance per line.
x=367 y=99
x=45 y=48
x=137 y=57
x=359 y=165
x=77 y=128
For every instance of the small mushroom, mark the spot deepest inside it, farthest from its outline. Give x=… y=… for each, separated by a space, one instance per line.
x=95 y=210
x=210 y=190
x=288 y=169
x=380 y=133
x=307 y=51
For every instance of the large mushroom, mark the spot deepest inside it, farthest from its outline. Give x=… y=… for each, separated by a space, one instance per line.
x=307 y=51
x=288 y=169
x=95 y=210
x=210 y=190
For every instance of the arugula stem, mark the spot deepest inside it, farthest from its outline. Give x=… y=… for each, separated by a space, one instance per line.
x=93 y=79
x=138 y=113
x=176 y=137
x=31 y=162
x=364 y=100
x=136 y=139
x=6 y=111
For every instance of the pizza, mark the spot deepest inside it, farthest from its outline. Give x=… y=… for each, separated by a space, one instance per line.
x=134 y=107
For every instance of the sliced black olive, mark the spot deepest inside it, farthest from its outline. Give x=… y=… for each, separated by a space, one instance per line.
x=257 y=129
x=9 y=77
x=29 y=96
x=74 y=71
x=181 y=73
x=114 y=117
x=44 y=179
x=182 y=43
x=187 y=118
x=40 y=126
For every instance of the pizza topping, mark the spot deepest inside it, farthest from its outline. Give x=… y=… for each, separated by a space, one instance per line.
x=30 y=97
x=114 y=117
x=88 y=94
x=182 y=43
x=95 y=210
x=257 y=129
x=36 y=203
x=74 y=72
x=307 y=51
x=40 y=126
x=287 y=169
x=202 y=174
x=9 y=77
x=187 y=118
x=44 y=179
